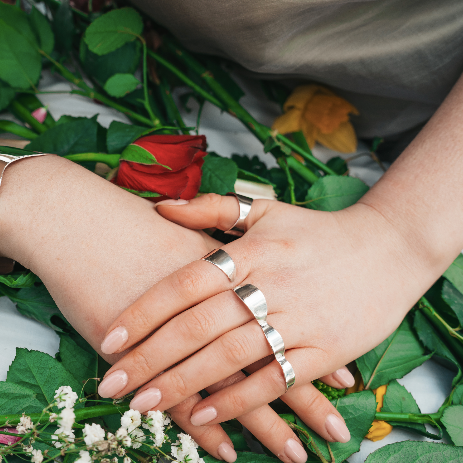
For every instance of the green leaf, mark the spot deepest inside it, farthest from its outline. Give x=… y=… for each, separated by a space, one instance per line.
x=76 y=136
x=358 y=411
x=63 y=27
x=399 y=354
x=455 y=272
x=417 y=452
x=237 y=437
x=135 y=153
x=120 y=84
x=454 y=299
x=457 y=398
x=18 y=280
x=219 y=175
x=432 y=340
x=16 y=399
x=42 y=29
x=15 y=151
x=123 y=60
x=20 y=61
x=6 y=95
x=112 y=30
x=120 y=135
x=452 y=419
x=36 y=303
x=339 y=165
x=81 y=362
x=143 y=194
x=332 y=193
x=40 y=373
x=399 y=400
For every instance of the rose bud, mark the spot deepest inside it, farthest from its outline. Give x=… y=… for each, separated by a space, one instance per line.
x=40 y=114
x=169 y=165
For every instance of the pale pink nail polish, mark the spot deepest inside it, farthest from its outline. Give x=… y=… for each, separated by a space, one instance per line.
x=172 y=202
x=146 y=400
x=227 y=452
x=203 y=416
x=337 y=429
x=344 y=377
x=295 y=452
x=114 y=340
x=113 y=384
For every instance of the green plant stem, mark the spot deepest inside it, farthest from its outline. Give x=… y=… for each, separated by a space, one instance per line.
x=81 y=414
x=145 y=85
x=168 y=100
x=16 y=129
x=283 y=164
x=22 y=113
x=302 y=170
x=90 y=93
x=112 y=160
x=421 y=418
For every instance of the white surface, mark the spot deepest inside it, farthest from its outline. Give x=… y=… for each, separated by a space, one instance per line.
x=429 y=384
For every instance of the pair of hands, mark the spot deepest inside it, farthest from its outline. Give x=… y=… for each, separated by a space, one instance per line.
x=336 y=285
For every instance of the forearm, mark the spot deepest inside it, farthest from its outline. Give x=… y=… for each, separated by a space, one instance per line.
x=96 y=247
x=422 y=193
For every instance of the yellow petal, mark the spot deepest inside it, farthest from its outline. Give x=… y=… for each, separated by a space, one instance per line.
x=343 y=139
x=289 y=122
x=327 y=112
x=379 y=430
x=380 y=392
x=300 y=96
x=310 y=132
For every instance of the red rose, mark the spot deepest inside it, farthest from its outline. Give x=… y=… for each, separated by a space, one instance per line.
x=166 y=164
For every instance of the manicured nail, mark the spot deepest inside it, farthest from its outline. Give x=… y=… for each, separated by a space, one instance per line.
x=172 y=202
x=295 y=452
x=146 y=400
x=115 y=340
x=203 y=416
x=344 y=377
x=113 y=384
x=227 y=452
x=337 y=429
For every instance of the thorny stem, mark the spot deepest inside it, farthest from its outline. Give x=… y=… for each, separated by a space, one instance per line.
x=284 y=165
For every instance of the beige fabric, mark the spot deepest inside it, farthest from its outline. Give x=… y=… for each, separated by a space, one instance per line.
x=395 y=60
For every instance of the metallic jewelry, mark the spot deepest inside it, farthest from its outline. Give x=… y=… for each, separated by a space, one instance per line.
x=245 y=204
x=223 y=261
x=9 y=159
x=256 y=303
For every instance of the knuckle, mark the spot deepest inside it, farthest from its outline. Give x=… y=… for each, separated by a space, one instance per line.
x=188 y=283
x=141 y=363
x=200 y=325
x=237 y=403
x=316 y=401
x=271 y=427
x=178 y=383
x=140 y=315
x=236 y=349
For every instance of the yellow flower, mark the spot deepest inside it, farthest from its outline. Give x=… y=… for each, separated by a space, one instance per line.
x=322 y=117
x=379 y=429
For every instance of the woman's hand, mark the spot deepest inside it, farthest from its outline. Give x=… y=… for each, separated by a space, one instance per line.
x=336 y=285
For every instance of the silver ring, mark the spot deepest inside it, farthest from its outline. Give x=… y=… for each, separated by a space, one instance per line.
x=245 y=203
x=255 y=301
x=223 y=261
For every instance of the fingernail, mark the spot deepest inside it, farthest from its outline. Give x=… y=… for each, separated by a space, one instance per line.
x=295 y=452
x=146 y=400
x=227 y=452
x=344 y=377
x=337 y=429
x=172 y=202
x=203 y=416
x=113 y=384
x=114 y=340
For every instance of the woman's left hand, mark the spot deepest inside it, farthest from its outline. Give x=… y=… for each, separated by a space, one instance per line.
x=336 y=285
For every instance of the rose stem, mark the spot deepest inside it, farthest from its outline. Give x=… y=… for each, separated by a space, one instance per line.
x=16 y=129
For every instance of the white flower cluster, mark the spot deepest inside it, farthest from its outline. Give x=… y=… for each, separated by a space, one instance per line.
x=25 y=425
x=155 y=422
x=186 y=450
x=65 y=399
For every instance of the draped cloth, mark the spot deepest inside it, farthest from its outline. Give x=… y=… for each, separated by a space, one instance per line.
x=395 y=60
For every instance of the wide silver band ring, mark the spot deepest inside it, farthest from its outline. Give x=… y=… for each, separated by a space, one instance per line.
x=255 y=301
x=223 y=261
x=245 y=204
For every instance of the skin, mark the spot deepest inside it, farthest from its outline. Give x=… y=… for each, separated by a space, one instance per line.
x=98 y=249
x=336 y=284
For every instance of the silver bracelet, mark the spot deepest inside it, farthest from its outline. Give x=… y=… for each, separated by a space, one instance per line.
x=9 y=159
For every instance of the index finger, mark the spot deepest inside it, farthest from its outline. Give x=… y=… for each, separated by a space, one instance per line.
x=179 y=291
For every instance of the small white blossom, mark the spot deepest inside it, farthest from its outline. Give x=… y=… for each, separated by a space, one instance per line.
x=93 y=433
x=53 y=417
x=66 y=419
x=155 y=422
x=123 y=437
x=37 y=456
x=130 y=420
x=185 y=449
x=25 y=424
x=27 y=448
x=121 y=432
x=127 y=460
x=137 y=437
x=120 y=452
x=62 y=437
x=65 y=397
x=84 y=457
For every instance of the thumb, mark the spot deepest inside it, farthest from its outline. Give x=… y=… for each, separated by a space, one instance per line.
x=210 y=211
